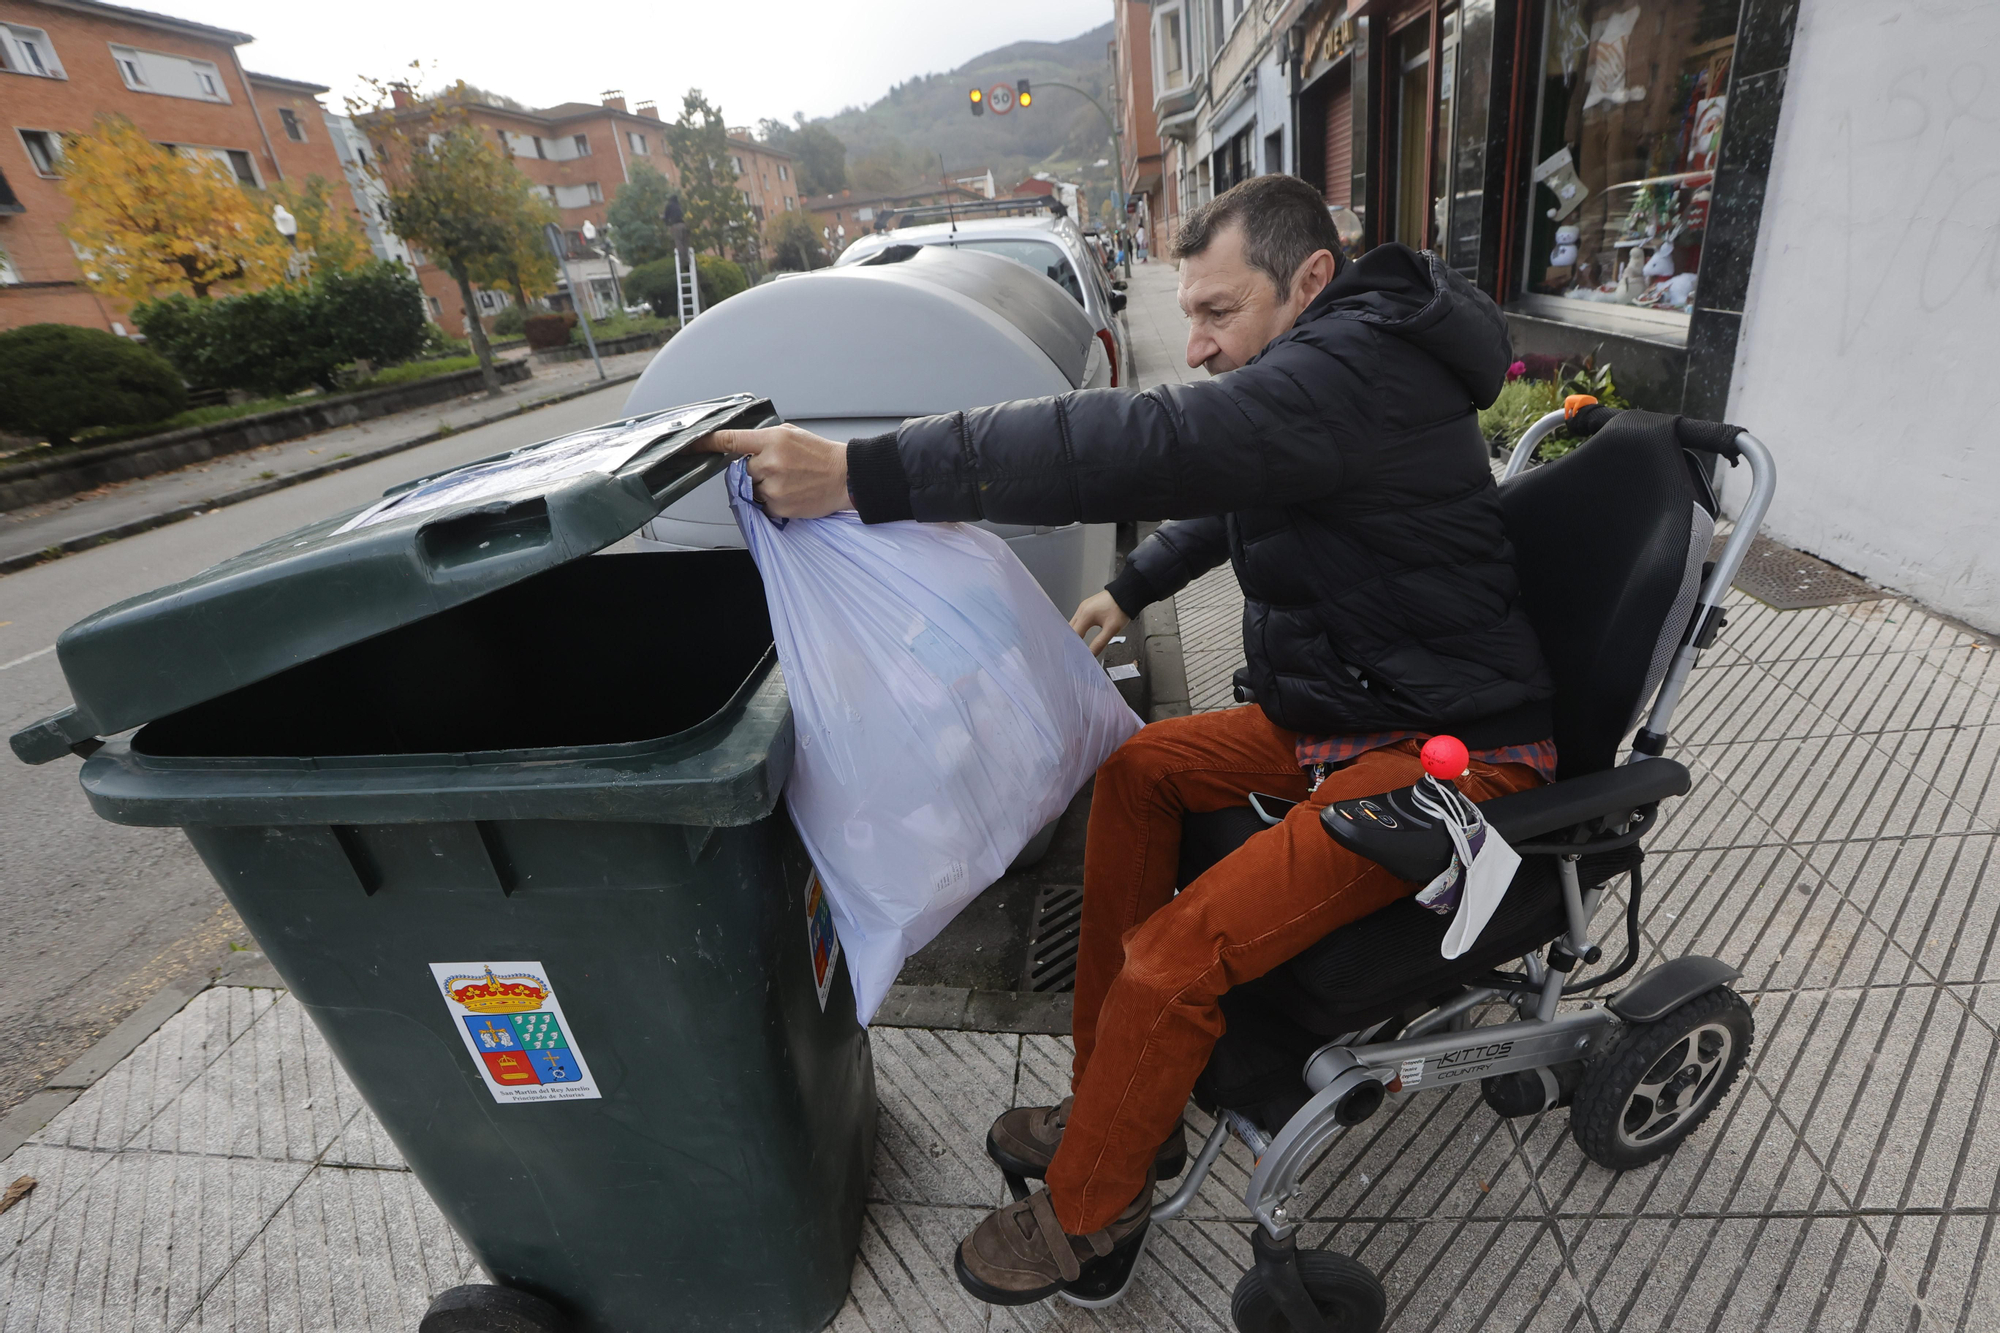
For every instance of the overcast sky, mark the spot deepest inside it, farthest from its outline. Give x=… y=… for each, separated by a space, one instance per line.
x=754 y=58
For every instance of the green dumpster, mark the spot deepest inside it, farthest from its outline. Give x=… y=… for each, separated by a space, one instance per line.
x=502 y=812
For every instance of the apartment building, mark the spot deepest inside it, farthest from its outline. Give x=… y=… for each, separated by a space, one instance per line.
x=579 y=154
x=65 y=62
x=1132 y=105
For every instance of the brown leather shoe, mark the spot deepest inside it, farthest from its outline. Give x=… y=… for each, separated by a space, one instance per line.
x=1024 y=1141
x=1019 y=1254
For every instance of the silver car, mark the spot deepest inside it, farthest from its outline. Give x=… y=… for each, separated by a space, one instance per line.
x=1051 y=246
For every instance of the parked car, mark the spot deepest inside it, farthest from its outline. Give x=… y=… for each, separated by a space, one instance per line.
x=1051 y=246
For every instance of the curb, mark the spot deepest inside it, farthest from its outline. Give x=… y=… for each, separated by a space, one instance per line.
x=960 y=1009
x=1166 y=662
x=103 y=536
x=27 y=1119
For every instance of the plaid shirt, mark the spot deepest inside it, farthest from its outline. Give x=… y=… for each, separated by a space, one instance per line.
x=1320 y=755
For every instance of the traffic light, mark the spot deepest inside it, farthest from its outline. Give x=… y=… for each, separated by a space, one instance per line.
x=978 y=102
x=1022 y=97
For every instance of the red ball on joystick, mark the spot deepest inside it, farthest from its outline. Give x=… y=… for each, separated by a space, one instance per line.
x=1445 y=757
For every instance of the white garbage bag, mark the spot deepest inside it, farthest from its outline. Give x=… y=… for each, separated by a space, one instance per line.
x=945 y=713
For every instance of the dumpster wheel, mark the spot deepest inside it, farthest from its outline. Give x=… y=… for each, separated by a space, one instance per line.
x=481 y=1308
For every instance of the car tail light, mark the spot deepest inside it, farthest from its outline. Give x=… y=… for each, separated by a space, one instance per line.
x=1110 y=352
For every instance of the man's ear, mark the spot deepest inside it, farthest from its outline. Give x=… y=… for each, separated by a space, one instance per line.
x=1313 y=276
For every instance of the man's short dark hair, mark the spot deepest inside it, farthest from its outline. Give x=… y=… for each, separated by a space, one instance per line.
x=1284 y=221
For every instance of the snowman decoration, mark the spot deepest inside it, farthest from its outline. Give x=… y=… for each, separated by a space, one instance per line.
x=1562 y=259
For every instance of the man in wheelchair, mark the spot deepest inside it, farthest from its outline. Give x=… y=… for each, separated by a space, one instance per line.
x=1250 y=872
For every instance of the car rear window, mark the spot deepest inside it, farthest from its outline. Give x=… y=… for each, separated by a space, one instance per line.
x=1040 y=256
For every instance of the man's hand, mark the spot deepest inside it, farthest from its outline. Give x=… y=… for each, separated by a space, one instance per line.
x=795 y=473
x=1099 y=612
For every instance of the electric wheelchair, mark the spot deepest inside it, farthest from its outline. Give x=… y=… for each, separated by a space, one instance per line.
x=1611 y=542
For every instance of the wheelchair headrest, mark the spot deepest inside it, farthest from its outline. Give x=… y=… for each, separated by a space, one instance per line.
x=1609 y=542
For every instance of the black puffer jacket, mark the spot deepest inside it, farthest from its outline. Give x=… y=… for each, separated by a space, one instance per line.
x=1342 y=472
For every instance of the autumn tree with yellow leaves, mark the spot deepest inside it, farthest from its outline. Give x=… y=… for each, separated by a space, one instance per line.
x=149 y=221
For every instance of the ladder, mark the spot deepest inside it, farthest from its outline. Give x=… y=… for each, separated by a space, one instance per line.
x=687 y=290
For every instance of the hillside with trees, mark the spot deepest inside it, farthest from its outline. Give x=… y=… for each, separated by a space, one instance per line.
x=894 y=143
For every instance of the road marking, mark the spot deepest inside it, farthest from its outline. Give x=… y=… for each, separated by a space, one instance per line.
x=29 y=658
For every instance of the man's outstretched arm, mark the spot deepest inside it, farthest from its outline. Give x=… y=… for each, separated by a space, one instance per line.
x=1273 y=433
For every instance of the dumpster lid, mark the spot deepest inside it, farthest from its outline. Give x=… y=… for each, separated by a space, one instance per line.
x=428 y=545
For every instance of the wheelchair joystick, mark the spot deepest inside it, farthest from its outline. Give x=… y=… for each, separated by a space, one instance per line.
x=1445 y=757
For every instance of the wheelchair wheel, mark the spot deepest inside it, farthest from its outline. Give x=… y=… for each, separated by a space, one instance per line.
x=1661 y=1080
x=1350 y=1297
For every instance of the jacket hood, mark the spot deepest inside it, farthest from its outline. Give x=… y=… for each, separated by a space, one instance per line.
x=1415 y=297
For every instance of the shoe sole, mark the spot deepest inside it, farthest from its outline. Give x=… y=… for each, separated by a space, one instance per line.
x=1165 y=1167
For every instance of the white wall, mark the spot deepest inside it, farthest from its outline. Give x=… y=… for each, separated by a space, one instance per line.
x=1870 y=352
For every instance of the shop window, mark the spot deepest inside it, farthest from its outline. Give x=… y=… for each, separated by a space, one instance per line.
x=1407 y=136
x=1630 y=123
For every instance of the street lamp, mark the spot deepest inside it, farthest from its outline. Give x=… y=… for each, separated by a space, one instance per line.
x=590 y=234
x=287 y=225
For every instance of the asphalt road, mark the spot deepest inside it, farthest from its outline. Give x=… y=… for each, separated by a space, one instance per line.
x=95 y=918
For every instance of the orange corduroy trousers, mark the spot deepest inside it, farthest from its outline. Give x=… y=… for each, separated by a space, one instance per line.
x=1152 y=964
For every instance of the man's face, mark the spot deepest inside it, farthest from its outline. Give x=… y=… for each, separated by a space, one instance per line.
x=1235 y=310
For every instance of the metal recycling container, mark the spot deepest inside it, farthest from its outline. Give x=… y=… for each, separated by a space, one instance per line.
x=502 y=813
x=851 y=352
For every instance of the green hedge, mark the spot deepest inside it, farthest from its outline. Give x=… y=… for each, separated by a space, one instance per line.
x=57 y=379
x=284 y=339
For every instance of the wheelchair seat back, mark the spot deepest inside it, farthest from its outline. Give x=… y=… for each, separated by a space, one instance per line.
x=1609 y=543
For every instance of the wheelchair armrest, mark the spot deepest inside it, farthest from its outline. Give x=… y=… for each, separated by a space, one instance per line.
x=1526 y=815
x=1390 y=830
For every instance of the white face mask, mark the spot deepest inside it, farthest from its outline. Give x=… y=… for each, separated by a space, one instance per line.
x=1482 y=865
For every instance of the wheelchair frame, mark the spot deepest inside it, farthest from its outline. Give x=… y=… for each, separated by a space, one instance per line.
x=1352 y=1076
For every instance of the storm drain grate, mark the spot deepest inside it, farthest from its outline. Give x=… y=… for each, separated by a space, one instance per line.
x=1788 y=580
x=1052 y=936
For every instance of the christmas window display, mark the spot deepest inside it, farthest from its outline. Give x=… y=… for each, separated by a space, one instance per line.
x=1633 y=96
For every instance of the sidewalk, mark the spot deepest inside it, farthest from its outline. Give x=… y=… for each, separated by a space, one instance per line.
x=1838 y=846
x=126 y=506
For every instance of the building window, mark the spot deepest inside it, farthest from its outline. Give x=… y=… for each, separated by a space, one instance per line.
x=638 y=142
x=9 y=203
x=168 y=75
x=239 y=162
x=437 y=306
x=1172 y=60
x=1628 y=134
x=782 y=172
x=44 y=151
x=582 y=142
x=736 y=164
x=9 y=275
x=790 y=203
x=1232 y=160
x=1274 y=152
x=293 y=129
x=596 y=195
x=28 y=51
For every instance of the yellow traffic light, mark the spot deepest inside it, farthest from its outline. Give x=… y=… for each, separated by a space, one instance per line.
x=976 y=94
x=1025 y=98
x=978 y=102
